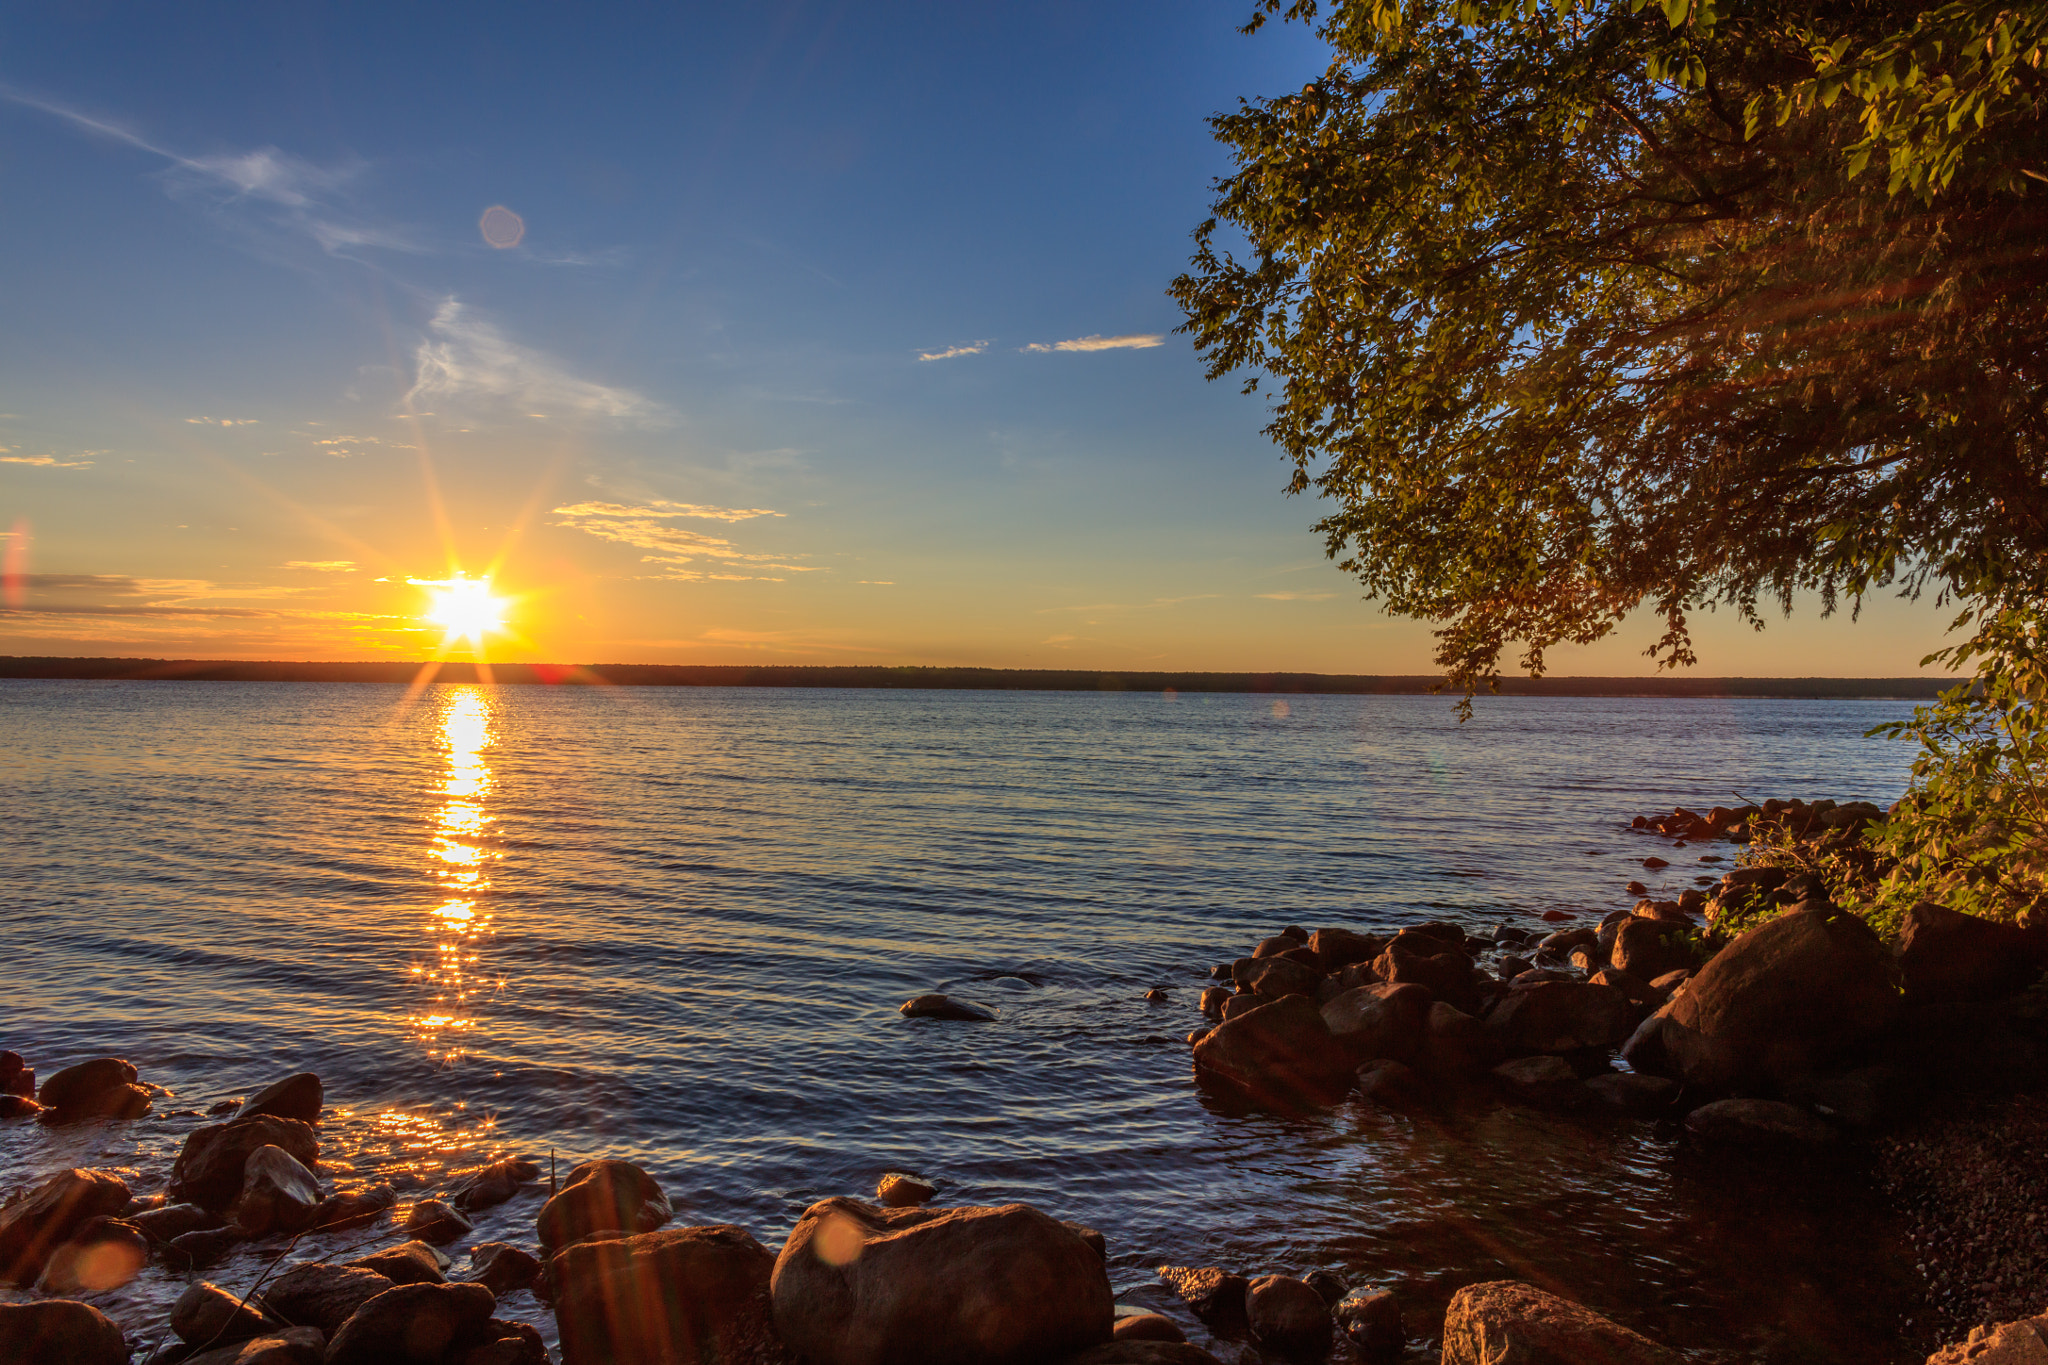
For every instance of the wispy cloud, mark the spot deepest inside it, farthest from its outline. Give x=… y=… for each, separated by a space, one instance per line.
x=1133 y=342
x=222 y=421
x=322 y=565
x=1296 y=596
x=472 y=359
x=684 y=555
x=57 y=594
x=341 y=447
x=48 y=461
x=1155 y=604
x=970 y=348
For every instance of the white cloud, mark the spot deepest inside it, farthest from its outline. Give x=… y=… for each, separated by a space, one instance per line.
x=1134 y=342
x=686 y=556
x=661 y=508
x=49 y=461
x=221 y=421
x=322 y=565
x=971 y=348
x=1296 y=596
x=474 y=360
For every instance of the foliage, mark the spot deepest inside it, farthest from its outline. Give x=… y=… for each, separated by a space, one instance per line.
x=1575 y=307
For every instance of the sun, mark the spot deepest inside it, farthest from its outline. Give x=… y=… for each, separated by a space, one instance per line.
x=464 y=607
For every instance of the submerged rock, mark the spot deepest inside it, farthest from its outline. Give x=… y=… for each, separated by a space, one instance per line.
x=354 y=1208
x=1215 y=1295
x=1289 y=1316
x=1750 y=1122
x=896 y=1190
x=502 y=1268
x=1506 y=1322
x=488 y=1186
x=860 y=1285
x=60 y=1332
x=103 y=1088
x=38 y=1223
x=1372 y=1322
x=1279 y=1055
x=936 y=1006
x=602 y=1197
x=695 y=1294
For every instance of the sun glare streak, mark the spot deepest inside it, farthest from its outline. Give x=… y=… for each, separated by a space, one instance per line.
x=459 y=855
x=464 y=607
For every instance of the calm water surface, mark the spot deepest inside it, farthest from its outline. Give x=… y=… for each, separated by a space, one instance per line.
x=674 y=925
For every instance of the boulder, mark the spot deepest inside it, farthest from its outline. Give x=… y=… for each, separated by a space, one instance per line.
x=1372 y=1322
x=1335 y=948
x=104 y=1254
x=1543 y=1079
x=488 y=1186
x=1385 y=1081
x=295 y=1097
x=208 y=1171
x=1146 y=1327
x=278 y=1194
x=896 y=1190
x=936 y=1006
x=860 y=1285
x=407 y=1263
x=1454 y=1043
x=18 y=1106
x=320 y=1295
x=1242 y=1003
x=1564 y=940
x=1946 y=956
x=1131 y=1351
x=354 y=1208
x=1274 y=946
x=1648 y=948
x=681 y=1294
x=2008 y=1343
x=1326 y=1283
x=1215 y=1296
x=602 y=1198
x=1212 y=1002
x=174 y=1220
x=199 y=1249
x=411 y=1324
x=1288 y=1316
x=504 y=1343
x=60 y=1332
x=1279 y=1055
x=1447 y=973
x=44 y=1219
x=1380 y=1020
x=1638 y=991
x=502 y=1268
x=1633 y=1093
x=1758 y=1123
x=1274 y=977
x=290 y=1346
x=1780 y=1002
x=1506 y=1322
x=1560 y=1016
x=102 y=1088
x=206 y=1315
x=430 y=1220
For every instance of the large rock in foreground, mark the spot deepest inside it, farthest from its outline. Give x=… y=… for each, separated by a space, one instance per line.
x=413 y=1324
x=208 y=1171
x=1280 y=1056
x=44 y=1219
x=278 y=1194
x=1506 y=1322
x=1780 y=1002
x=677 y=1295
x=321 y=1295
x=860 y=1285
x=1946 y=956
x=602 y=1198
x=60 y=1332
x=2009 y=1343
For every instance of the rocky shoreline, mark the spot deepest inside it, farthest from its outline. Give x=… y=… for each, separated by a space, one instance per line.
x=1802 y=1036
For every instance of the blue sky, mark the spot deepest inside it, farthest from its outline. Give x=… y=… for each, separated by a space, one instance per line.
x=810 y=333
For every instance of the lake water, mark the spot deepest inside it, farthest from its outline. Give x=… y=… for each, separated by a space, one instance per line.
x=674 y=925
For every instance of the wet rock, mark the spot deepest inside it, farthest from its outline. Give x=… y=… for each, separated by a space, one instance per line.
x=1667 y=985
x=600 y=1197
x=1276 y=945
x=411 y=1324
x=1288 y=1316
x=104 y=1254
x=1130 y=1351
x=1195 y=1036
x=488 y=1186
x=896 y=1190
x=1454 y=1043
x=1947 y=956
x=1372 y=1322
x=1647 y=949
x=1158 y=995
x=504 y=1343
x=174 y=1220
x=290 y=1346
x=1636 y=889
x=1513 y=966
x=1216 y=1296
x=1505 y=1322
x=1757 y=1123
x=1385 y=1081
x=206 y=1315
x=60 y=1332
x=1633 y=1093
x=430 y=1220
x=1335 y=948
x=1564 y=940
x=502 y=1268
x=44 y=1219
x=18 y=1106
x=1325 y=1283
x=1212 y=1002
x=1146 y=1327
x=1555 y=916
x=17 y=1077
x=1543 y=1079
x=936 y=1006
x=1241 y=1004
x=1653 y=863
x=1380 y=1020
x=2008 y=1343
x=1638 y=991
x=859 y=1285
x=102 y=1088
x=321 y=1295
x=698 y=1293
x=295 y=1097
x=278 y=1194
x=412 y=1262
x=1560 y=1016
x=200 y=1249
x=1780 y=1002
x=1280 y=1055
x=354 y=1208
x=208 y=1171
x=1274 y=977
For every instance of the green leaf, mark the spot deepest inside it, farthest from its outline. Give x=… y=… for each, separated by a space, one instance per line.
x=1676 y=10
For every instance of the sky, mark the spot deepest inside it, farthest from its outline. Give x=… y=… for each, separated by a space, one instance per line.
x=779 y=332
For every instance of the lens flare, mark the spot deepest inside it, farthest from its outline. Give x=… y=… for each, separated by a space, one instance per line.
x=464 y=607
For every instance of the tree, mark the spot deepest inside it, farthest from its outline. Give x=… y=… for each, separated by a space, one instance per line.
x=1576 y=308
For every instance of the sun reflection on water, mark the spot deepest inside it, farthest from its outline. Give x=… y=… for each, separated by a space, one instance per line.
x=459 y=858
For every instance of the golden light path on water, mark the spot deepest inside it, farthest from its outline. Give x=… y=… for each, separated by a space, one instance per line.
x=460 y=858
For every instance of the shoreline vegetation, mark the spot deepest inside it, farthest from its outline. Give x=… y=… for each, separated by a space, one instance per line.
x=948 y=678
x=1754 y=1019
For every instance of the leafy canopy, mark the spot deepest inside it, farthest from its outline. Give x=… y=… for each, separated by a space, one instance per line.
x=1571 y=308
